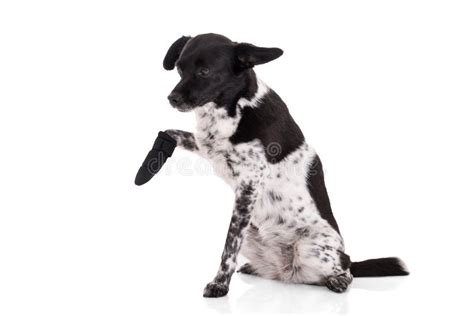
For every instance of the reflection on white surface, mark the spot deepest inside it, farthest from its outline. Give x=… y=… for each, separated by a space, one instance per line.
x=277 y=297
x=220 y=305
x=267 y=296
x=378 y=284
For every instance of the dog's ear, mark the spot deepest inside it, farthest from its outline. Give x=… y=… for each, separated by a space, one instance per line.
x=249 y=55
x=174 y=51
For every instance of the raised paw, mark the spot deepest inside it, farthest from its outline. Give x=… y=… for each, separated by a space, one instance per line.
x=214 y=289
x=338 y=283
x=247 y=269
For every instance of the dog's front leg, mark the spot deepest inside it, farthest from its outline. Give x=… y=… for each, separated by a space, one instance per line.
x=244 y=203
x=185 y=140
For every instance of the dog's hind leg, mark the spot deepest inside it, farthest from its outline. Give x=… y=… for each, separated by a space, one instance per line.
x=247 y=268
x=319 y=260
x=339 y=283
x=342 y=278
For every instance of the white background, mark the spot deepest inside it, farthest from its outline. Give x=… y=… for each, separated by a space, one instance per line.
x=382 y=90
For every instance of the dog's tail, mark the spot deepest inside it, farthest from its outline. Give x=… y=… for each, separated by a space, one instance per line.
x=379 y=267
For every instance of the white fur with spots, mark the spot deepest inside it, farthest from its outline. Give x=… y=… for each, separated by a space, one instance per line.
x=287 y=238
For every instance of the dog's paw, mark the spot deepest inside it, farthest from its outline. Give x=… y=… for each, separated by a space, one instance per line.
x=215 y=289
x=339 y=283
x=247 y=269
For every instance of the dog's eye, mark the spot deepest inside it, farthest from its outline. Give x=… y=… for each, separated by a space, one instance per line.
x=203 y=72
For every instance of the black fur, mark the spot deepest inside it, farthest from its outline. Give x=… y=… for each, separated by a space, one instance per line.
x=317 y=189
x=249 y=55
x=213 y=68
x=272 y=124
x=378 y=267
x=174 y=51
x=345 y=261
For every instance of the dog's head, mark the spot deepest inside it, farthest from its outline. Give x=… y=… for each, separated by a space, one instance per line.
x=212 y=69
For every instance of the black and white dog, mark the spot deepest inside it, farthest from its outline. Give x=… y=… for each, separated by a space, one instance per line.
x=282 y=219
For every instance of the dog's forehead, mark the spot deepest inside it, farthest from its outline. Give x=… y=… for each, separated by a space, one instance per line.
x=208 y=39
x=206 y=48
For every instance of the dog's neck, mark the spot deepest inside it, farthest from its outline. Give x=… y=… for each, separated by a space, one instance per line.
x=244 y=88
x=253 y=100
x=215 y=122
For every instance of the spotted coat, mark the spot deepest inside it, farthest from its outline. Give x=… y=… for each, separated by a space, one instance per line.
x=276 y=223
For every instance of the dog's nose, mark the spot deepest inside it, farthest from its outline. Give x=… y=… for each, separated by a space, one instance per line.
x=175 y=99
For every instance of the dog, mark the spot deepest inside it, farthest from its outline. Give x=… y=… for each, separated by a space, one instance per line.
x=282 y=220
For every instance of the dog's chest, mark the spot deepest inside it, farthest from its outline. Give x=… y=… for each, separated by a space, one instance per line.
x=233 y=163
x=214 y=128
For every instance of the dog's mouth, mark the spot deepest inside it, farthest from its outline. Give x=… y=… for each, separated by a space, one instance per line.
x=184 y=108
x=190 y=105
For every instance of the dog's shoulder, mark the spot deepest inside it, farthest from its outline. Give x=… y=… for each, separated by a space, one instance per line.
x=270 y=122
